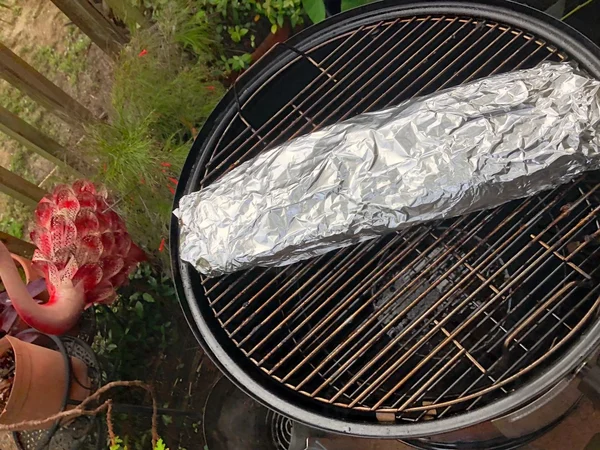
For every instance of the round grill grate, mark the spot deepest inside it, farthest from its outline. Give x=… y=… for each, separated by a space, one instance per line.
x=430 y=322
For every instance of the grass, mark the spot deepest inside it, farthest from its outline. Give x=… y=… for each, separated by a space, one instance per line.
x=161 y=95
x=11 y=226
x=70 y=62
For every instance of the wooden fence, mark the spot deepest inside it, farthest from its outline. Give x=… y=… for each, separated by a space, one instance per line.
x=91 y=18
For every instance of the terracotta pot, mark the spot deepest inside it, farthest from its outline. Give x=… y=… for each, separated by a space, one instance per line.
x=271 y=41
x=39 y=383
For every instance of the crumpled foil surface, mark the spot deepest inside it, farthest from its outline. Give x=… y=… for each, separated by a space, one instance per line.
x=464 y=149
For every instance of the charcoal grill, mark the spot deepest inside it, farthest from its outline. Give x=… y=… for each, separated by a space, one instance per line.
x=444 y=326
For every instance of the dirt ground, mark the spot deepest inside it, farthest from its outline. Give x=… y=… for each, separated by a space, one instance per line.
x=43 y=36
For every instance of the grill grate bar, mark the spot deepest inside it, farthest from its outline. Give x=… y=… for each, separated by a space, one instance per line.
x=562 y=292
x=363 y=331
x=519 y=305
x=274 y=119
x=392 y=76
x=354 y=314
x=255 y=280
x=311 y=298
x=503 y=244
x=313 y=93
x=369 y=389
x=481 y=392
x=374 y=274
x=575 y=267
x=437 y=375
x=298 y=274
x=220 y=281
x=289 y=271
x=540 y=46
x=503 y=238
x=450 y=81
x=489 y=31
x=348 y=258
x=505 y=380
x=461 y=348
x=516 y=35
x=512 y=282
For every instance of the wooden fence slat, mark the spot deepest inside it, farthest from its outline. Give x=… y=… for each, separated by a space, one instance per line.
x=33 y=139
x=25 y=78
x=92 y=22
x=17 y=246
x=19 y=188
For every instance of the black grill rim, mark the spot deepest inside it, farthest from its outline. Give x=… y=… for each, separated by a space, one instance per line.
x=266 y=391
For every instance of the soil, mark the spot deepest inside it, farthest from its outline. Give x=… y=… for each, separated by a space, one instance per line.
x=7 y=375
x=38 y=32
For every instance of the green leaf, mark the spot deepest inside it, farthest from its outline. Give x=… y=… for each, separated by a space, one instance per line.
x=147 y=297
x=139 y=310
x=167 y=420
x=315 y=9
x=273 y=28
x=160 y=445
x=349 y=4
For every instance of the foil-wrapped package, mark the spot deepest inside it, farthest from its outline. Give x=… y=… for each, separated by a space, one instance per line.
x=467 y=148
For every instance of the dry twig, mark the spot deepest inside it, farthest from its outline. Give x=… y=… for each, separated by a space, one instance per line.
x=81 y=410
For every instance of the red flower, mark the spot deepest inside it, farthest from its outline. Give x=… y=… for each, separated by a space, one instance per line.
x=171 y=190
x=165 y=164
x=173 y=180
x=210 y=88
x=161 y=247
x=143 y=53
x=142 y=181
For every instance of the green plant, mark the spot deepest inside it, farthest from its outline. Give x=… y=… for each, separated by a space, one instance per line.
x=15 y=215
x=315 y=9
x=70 y=62
x=136 y=320
x=236 y=33
x=160 y=97
x=12 y=227
x=241 y=20
x=237 y=63
x=118 y=444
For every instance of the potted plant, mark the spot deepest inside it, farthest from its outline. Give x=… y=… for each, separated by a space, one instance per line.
x=10 y=323
x=33 y=382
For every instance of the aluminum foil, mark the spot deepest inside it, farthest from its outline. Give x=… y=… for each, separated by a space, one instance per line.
x=464 y=149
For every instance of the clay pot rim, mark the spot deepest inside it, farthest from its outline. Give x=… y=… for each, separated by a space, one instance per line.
x=15 y=401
